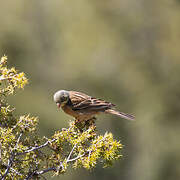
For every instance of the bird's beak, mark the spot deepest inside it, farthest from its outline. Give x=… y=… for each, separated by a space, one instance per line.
x=58 y=105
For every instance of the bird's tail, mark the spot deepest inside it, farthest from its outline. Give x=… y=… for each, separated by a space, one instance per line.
x=121 y=114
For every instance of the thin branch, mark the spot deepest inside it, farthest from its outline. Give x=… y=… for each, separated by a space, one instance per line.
x=14 y=127
x=8 y=78
x=89 y=154
x=10 y=163
x=13 y=170
x=46 y=170
x=20 y=135
x=18 y=173
x=30 y=175
x=36 y=148
x=11 y=160
x=5 y=78
x=71 y=152
x=76 y=158
x=39 y=173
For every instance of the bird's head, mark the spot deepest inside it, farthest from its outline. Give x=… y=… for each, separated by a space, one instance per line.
x=61 y=97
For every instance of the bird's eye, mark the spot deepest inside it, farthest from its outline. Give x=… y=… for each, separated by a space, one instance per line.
x=63 y=98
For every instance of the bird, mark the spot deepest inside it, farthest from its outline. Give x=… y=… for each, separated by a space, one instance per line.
x=84 y=107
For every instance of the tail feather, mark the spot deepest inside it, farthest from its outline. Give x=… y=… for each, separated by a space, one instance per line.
x=121 y=114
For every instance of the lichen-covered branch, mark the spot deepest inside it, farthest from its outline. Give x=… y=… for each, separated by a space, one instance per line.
x=24 y=155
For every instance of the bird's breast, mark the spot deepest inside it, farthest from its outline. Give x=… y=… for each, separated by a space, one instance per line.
x=79 y=115
x=69 y=111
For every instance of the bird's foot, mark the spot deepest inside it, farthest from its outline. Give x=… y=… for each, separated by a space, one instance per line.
x=90 y=122
x=85 y=124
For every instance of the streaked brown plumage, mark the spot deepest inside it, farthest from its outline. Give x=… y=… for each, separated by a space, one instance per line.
x=83 y=107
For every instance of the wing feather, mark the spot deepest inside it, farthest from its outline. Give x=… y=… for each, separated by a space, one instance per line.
x=82 y=101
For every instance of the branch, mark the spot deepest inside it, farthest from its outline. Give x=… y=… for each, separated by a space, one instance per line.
x=46 y=170
x=8 y=78
x=11 y=160
x=30 y=175
x=76 y=158
x=71 y=152
x=18 y=173
x=38 y=173
x=35 y=148
x=10 y=163
x=20 y=135
x=5 y=78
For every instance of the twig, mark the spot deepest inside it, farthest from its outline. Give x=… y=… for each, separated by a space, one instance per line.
x=20 y=135
x=89 y=154
x=46 y=170
x=11 y=160
x=18 y=173
x=5 y=78
x=14 y=127
x=8 y=78
x=36 y=148
x=39 y=173
x=71 y=152
x=30 y=175
x=76 y=158
x=10 y=163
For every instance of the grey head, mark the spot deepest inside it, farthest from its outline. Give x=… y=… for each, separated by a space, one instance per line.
x=61 y=97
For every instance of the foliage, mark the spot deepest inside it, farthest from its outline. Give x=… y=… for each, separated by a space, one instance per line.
x=24 y=155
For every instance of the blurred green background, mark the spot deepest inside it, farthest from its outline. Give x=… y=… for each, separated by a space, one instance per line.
x=125 y=51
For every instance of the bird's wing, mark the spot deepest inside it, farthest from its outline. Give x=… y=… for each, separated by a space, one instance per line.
x=77 y=97
x=82 y=101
